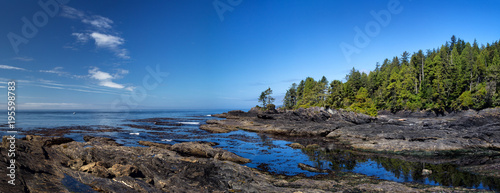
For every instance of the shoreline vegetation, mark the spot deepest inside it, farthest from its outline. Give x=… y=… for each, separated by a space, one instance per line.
x=456 y=76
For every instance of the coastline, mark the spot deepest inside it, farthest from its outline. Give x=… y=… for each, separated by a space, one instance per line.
x=103 y=164
x=58 y=164
x=455 y=133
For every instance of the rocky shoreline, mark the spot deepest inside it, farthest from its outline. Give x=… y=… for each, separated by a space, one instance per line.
x=58 y=164
x=468 y=139
x=462 y=132
x=99 y=164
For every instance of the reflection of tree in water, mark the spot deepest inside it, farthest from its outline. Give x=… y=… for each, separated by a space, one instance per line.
x=444 y=174
x=266 y=141
x=335 y=160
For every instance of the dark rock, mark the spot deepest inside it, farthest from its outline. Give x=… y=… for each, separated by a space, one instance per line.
x=106 y=167
x=265 y=116
x=153 y=144
x=403 y=131
x=222 y=115
x=48 y=141
x=120 y=170
x=75 y=164
x=100 y=140
x=212 y=128
x=206 y=151
x=296 y=145
x=96 y=170
x=311 y=169
x=255 y=110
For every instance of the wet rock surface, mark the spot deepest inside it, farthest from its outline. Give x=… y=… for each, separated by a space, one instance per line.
x=55 y=164
x=401 y=132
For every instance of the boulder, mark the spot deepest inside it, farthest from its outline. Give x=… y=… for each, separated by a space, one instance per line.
x=296 y=146
x=120 y=170
x=206 y=151
x=153 y=144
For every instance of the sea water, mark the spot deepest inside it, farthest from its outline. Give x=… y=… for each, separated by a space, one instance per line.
x=264 y=151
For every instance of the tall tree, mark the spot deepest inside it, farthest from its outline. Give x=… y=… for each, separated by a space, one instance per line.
x=336 y=96
x=290 y=99
x=364 y=104
x=455 y=75
x=453 y=42
x=310 y=94
x=266 y=98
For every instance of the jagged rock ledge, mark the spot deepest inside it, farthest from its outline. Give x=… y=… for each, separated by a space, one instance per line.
x=47 y=164
x=405 y=132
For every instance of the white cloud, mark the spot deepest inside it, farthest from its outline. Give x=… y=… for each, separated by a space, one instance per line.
x=81 y=37
x=56 y=70
x=99 y=75
x=107 y=41
x=122 y=53
x=119 y=73
x=108 y=83
x=98 y=21
x=54 y=85
x=100 y=30
x=10 y=67
x=54 y=106
x=24 y=59
x=59 y=72
x=130 y=88
x=64 y=104
x=105 y=79
x=70 y=12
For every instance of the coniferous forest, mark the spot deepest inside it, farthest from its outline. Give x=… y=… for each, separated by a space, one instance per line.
x=456 y=76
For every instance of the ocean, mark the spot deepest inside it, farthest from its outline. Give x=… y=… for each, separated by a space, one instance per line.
x=266 y=152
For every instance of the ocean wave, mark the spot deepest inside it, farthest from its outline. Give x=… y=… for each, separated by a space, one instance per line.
x=134 y=133
x=189 y=123
x=167 y=140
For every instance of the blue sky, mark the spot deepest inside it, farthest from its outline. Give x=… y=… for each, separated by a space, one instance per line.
x=187 y=54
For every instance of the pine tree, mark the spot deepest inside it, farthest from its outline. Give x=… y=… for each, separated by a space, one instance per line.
x=266 y=98
x=310 y=97
x=335 y=96
x=364 y=104
x=438 y=85
x=290 y=99
x=456 y=75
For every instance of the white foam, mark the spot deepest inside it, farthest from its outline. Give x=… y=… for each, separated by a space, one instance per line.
x=209 y=115
x=134 y=133
x=167 y=140
x=189 y=123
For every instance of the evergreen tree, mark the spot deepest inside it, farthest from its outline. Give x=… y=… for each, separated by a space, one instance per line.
x=335 y=97
x=310 y=94
x=290 y=99
x=363 y=103
x=456 y=75
x=266 y=98
x=438 y=85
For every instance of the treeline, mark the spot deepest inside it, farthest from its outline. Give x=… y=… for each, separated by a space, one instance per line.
x=457 y=76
